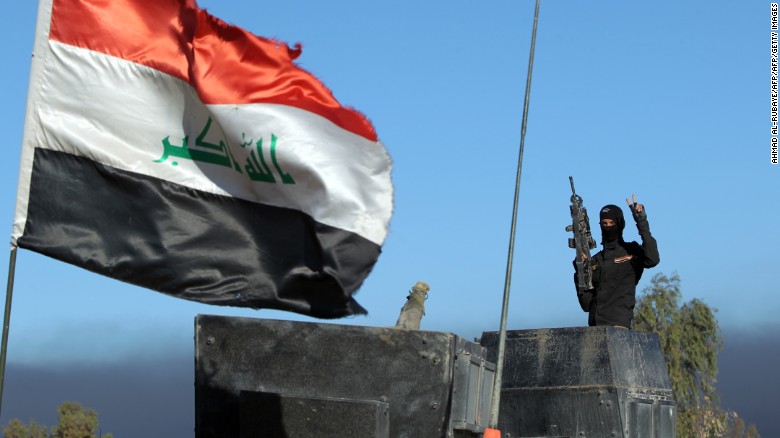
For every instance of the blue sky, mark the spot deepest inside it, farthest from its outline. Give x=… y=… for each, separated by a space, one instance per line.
x=667 y=100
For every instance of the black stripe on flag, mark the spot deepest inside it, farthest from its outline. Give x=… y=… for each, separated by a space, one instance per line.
x=191 y=244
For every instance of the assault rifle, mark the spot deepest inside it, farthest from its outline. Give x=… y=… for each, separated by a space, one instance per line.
x=583 y=241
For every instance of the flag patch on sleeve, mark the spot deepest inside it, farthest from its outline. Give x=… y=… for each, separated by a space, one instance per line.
x=624 y=258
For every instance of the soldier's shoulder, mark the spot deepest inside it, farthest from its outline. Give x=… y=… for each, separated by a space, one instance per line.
x=633 y=247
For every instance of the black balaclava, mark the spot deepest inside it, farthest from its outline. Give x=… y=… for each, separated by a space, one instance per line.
x=614 y=233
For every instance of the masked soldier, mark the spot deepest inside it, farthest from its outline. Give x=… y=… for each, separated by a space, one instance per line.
x=618 y=267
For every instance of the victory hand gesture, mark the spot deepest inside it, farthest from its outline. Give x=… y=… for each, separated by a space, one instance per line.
x=638 y=210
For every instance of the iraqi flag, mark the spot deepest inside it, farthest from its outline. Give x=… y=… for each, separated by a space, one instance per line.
x=168 y=149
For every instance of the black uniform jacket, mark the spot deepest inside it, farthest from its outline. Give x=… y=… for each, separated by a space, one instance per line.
x=616 y=271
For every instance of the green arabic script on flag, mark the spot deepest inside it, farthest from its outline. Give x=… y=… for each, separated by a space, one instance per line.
x=220 y=154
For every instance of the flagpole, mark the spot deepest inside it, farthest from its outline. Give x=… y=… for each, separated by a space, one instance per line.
x=9 y=292
x=42 y=25
x=494 y=408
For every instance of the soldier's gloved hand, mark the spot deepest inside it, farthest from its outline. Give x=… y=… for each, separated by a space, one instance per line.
x=637 y=210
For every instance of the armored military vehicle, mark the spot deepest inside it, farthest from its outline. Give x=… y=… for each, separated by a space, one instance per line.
x=271 y=378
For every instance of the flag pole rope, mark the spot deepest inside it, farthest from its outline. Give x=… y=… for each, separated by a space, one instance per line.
x=7 y=320
x=496 y=398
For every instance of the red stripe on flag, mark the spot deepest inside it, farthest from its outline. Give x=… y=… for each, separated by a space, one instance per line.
x=224 y=64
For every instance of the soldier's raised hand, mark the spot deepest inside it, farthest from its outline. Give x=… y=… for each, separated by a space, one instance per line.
x=638 y=210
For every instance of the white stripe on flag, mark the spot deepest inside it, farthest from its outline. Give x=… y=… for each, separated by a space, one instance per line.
x=119 y=113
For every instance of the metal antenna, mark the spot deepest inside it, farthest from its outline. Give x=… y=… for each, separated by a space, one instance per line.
x=504 y=308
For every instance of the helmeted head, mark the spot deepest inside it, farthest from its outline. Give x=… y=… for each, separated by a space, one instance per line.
x=611 y=222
